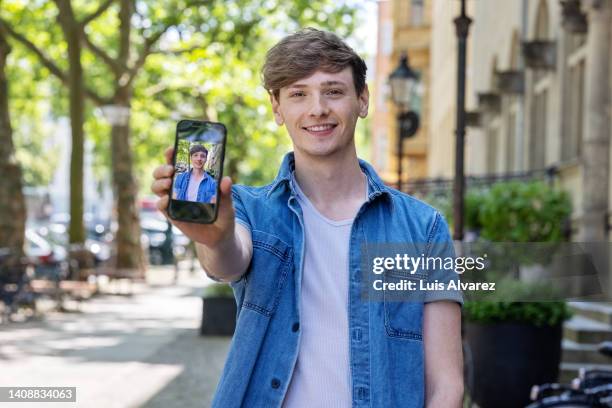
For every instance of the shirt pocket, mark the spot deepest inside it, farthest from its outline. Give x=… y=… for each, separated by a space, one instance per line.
x=403 y=309
x=270 y=265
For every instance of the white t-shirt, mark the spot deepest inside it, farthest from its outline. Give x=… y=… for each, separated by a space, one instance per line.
x=322 y=376
x=192 y=188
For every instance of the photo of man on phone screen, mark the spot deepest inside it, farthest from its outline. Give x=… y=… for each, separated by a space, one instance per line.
x=195 y=184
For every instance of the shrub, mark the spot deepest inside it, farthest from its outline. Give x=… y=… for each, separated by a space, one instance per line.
x=524 y=212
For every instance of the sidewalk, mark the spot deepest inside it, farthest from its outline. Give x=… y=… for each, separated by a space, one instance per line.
x=121 y=351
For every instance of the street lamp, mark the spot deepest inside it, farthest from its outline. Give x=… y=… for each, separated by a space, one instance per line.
x=405 y=89
x=462 y=27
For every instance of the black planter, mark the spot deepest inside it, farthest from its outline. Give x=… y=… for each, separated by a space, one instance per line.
x=218 y=316
x=507 y=359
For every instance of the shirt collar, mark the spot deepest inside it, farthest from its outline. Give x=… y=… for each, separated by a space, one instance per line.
x=376 y=186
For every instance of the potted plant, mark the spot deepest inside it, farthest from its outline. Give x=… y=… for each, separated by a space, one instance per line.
x=512 y=344
x=218 y=310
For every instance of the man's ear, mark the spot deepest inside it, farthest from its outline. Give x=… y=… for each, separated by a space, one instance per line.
x=364 y=102
x=278 y=118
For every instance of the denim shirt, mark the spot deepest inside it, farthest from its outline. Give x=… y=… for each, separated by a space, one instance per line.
x=206 y=190
x=386 y=337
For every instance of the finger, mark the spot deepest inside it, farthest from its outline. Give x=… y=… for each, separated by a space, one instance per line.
x=226 y=206
x=226 y=192
x=161 y=187
x=168 y=154
x=162 y=204
x=163 y=171
x=226 y=186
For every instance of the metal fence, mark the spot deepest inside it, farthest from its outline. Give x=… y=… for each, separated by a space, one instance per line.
x=444 y=186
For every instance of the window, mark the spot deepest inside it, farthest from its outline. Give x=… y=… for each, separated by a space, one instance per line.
x=492 y=144
x=574 y=97
x=386 y=38
x=511 y=107
x=511 y=141
x=537 y=146
x=417 y=12
x=572 y=147
x=536 y=158
x=541 y=33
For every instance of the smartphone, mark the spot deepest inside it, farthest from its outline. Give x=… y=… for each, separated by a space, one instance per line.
x=199 y=150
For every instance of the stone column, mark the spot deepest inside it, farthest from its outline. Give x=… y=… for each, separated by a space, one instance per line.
x=596 y=130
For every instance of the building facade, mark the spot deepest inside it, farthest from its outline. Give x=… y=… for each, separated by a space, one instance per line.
x=538 y=88
x=403 y=27
x=540 y=85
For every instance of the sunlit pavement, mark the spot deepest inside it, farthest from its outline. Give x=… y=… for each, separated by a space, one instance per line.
x=121 y=351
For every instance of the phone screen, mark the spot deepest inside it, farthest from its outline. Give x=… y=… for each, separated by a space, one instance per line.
x=198 y=164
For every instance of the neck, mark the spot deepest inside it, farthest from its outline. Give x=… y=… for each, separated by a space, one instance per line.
x=197 y=172
x=330 y=179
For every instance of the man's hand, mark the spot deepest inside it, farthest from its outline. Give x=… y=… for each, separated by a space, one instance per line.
x=224 y=248
x=210 y=235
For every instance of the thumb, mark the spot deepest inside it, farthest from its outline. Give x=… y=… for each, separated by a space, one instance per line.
x=226 y=206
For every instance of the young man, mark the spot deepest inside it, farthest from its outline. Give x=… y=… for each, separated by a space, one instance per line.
x=195 y=184
x=305 y=337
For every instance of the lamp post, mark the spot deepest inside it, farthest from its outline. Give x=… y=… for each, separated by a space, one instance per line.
x=462 y=27
x=404 y=83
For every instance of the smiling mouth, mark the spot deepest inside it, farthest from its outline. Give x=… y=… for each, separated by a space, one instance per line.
x=323 y=129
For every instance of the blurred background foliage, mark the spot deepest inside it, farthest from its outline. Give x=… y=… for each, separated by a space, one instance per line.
x=205 y=66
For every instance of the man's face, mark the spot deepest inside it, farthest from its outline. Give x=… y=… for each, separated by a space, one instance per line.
x=198 y=159
x=321 y=111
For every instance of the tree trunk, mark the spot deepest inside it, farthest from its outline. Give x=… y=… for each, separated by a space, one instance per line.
x=77 y=118
x=130 y=260
x=232 y=170
x=12 y=203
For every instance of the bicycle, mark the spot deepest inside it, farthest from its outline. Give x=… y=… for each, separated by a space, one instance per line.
x=592 y=389
x=15 y=291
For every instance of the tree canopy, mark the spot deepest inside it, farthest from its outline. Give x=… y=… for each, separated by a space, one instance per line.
x=204 y=63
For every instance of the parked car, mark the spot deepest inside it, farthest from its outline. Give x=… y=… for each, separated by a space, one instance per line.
x=165 y=245
x=57 y=234
x=98 y=235
x=50 y=260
